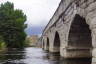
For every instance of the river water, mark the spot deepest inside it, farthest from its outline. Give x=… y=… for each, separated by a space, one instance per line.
x=36 y=56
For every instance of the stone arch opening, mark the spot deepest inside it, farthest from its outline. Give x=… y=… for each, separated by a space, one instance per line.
x=43 y=44
x=47 y=44
x=57 y=42
x=79 y=34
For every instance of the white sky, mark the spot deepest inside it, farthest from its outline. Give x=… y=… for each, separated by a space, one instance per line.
x=38 y=12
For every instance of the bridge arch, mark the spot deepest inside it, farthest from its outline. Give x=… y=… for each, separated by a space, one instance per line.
x=79 y=34
x=57 y=42
x=47 y=44
x=43 y=44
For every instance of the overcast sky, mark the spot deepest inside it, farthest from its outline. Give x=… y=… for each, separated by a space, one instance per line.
x=38 y=13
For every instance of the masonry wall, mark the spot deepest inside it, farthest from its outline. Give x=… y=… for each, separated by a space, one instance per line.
x=62 y=21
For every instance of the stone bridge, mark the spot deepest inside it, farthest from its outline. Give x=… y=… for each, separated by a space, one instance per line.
x=72 y=30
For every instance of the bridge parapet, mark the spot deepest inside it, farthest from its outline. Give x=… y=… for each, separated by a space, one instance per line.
x=62 y=7
x=65 y=7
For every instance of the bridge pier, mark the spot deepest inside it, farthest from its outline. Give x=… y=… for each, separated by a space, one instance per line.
x=92 y=22
x=46 y=48
x=94 y=56
x=77 y=53
x=54 y=50
x=94 y=46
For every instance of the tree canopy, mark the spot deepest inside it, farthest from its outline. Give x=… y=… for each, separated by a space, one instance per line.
x=12 y=25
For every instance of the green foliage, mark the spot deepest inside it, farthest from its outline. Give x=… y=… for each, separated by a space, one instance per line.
x=27 y=42
x=12 y=25
x=2 y=43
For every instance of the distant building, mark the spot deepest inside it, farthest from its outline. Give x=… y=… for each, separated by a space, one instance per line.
x=32 y=40
x=39 y=43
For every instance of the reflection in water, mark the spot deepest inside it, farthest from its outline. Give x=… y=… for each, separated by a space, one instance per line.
x=36 y=56
x=58 y=60
x=11 y=56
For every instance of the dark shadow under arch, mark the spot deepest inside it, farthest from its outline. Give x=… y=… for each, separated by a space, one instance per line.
x=43 y=44
x=57 y=41
x=79 y=34
x=47 y=43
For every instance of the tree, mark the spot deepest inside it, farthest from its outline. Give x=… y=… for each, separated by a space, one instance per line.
x=12 y=25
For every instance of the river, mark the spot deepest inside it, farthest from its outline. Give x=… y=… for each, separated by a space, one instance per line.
x=36 y=56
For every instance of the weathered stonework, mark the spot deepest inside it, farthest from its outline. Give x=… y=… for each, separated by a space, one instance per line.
x=72 y=30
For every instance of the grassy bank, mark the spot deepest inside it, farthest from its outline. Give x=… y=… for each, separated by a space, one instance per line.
x=2 y=46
